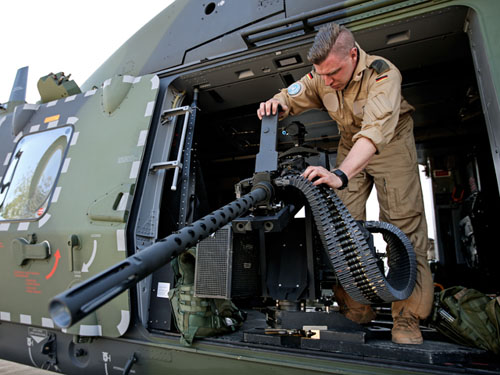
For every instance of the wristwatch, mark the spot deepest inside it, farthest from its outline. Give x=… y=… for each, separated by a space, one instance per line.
x=343 y=177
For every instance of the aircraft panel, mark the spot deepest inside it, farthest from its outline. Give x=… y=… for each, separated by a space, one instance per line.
x=93 y=140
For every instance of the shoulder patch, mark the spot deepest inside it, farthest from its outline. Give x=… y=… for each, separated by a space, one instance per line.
x=380 y=66
x=295 y=89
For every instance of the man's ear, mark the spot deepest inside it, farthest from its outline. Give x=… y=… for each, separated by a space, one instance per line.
x=353 y=52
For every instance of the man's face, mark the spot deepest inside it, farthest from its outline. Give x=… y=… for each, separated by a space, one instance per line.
x=337 y=70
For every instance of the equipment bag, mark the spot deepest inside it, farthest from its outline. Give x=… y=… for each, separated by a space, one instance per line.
x=197 y=317
x=468 y=317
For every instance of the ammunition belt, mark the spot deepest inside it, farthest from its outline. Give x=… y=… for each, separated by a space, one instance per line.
x=352 y=258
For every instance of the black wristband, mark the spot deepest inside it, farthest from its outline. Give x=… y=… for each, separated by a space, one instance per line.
x=343 y=177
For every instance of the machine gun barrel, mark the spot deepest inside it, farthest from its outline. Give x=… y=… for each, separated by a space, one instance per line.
x=74 y=304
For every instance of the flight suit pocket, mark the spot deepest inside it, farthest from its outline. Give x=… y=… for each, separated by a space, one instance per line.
x=353 y=185
x=378 y=107
x=404 y=196
x=358 y=108
x=411 y=149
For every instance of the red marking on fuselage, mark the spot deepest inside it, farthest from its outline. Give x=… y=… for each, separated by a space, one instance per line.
x=58 y=256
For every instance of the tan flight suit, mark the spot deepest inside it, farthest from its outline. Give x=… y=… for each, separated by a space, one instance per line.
x=371 y=106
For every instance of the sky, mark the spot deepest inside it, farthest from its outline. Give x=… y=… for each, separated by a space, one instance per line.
x=74 y=37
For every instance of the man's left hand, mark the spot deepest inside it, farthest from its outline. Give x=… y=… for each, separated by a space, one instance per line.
x=324 y=177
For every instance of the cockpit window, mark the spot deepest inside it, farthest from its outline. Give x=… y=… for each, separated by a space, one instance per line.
x=32 y=173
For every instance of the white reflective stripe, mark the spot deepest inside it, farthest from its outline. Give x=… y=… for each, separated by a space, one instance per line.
x=52 y=124
x=2 y=120
x=34 y=128
x=55 y=197
x=134 y=170
x=23 y=226
x=5 y=316
x=47 y=323
x=65 y=165
x=4 y=227
x=52 y=103
x=31 y=106
x=149 y=109
x=128 y=79
x=18 y=137
x=43 y=220
x=137 y=79
x=72 y=120
x=70 y=98
x=123 y=202
x=142 y=138
x=88 y=330
x=120 y=240
x=106 y=83
x=90 y=92
x=25 y=319
x=124 y=322
x=155 y=83
x=74 y=139
x=7 y=158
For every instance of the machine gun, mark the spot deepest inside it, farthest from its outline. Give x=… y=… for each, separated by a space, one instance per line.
x=345 y=242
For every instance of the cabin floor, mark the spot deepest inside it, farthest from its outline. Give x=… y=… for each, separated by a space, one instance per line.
x=372 y=342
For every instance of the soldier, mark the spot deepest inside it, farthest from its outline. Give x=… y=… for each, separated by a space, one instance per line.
x=362 y=93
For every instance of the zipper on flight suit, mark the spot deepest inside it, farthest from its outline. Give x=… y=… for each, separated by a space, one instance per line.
x=341 y=93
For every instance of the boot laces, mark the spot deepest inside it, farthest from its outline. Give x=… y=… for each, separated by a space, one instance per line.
x=405 y=323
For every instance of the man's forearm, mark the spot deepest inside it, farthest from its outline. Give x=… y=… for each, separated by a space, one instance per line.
x=358 y=157
x=355 y=161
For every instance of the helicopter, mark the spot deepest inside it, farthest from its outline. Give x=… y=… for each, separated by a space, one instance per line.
x=160 y=152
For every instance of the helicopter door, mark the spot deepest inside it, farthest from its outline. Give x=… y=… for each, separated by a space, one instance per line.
x=69 y=177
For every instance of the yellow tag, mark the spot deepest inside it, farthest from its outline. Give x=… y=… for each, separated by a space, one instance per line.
x=51 y=118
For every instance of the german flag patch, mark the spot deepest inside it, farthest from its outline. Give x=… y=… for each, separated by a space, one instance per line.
x=381 y=78
x=310 y=75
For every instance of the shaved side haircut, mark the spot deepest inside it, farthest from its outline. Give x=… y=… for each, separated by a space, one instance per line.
x=331 y=38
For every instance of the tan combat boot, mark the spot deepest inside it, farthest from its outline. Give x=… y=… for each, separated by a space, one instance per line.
x=406 y=330
x=351 y=309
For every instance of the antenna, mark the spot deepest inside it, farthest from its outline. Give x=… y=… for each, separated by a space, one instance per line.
x=18 y=93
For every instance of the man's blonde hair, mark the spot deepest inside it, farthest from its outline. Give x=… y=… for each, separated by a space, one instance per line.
x=331 y=38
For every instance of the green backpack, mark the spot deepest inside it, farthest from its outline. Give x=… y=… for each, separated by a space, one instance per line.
x=468 y=317
x=197 y=317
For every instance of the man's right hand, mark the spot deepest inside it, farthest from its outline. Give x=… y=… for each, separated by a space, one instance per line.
x=270 y=107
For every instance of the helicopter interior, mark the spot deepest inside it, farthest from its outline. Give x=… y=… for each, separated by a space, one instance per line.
x=439 y=79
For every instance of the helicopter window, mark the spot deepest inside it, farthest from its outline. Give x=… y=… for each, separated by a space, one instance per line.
x=32 y=173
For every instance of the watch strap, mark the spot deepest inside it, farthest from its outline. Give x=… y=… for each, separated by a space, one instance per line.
x=343 y=178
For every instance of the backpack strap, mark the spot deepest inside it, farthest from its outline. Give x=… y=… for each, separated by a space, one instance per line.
x=493 y=311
